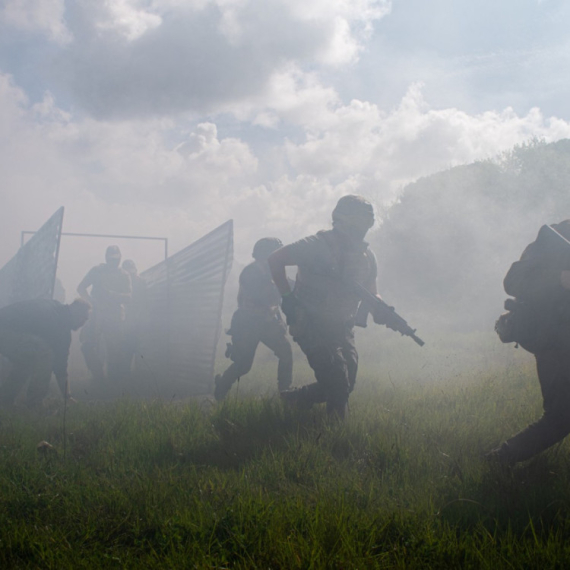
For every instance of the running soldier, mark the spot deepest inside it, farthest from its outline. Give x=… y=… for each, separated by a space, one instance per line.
x=539 y=320
x=321 y=310
x=256 y=320
x=110 y=292
x=35 y=337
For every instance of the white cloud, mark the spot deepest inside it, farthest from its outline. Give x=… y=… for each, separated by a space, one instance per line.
x=41 y=16
x=141 y=58
x=129 y=18
x=389 y=150
x=180 y=179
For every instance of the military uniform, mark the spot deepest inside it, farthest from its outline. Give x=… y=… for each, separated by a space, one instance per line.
x=35 y=337
x=325 y=313
x=535 y=280
x=110 y=286
x=256 y=320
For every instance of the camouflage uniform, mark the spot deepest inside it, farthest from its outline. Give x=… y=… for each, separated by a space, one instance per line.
x=109 y=288
x=326 y=311
x=35 y=337
x=256 y=320
x=535 y=280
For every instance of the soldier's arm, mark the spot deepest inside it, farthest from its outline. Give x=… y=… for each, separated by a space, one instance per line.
x=250 y=281
x=278 y=261
x=371 y=286
x=370 y=283
x=86 y=282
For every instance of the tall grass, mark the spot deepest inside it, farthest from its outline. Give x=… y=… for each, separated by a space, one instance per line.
x=251 y=484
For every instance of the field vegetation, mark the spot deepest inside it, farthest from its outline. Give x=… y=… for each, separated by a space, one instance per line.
x=248 y=483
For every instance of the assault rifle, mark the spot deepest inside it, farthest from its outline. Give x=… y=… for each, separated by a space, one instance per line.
x=376 y=306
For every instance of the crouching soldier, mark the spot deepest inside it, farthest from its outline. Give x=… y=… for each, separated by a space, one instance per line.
x=539 y=320
x=256 y=320
x=35 y=337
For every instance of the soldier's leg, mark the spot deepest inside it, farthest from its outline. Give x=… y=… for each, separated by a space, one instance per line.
x=331 y=384
x=274 y=337
x=553 y=369
x=337 y=385
x=29 y=355
x=11 y=380
x=40 y=375
x=350 y=355
x=113 y=335
x=130 y=345
x=244 y=345
x=317 y=357
x=13 y=383
x=90 y=337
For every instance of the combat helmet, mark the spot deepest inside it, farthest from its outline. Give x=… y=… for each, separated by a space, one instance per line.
x=354 y=209
x=264 y=247
x=113 y=251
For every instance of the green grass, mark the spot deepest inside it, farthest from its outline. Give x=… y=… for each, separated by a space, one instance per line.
x=251 y=484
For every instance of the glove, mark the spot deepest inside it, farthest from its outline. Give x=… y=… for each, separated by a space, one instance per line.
x=289 y=308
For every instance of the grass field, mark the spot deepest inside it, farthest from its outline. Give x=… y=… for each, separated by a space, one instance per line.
x=251 y=484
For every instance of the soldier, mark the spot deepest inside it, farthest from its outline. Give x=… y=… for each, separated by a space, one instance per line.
x=35 y=337
x=256 y=320
x=135 y=311
x=540 y=282
x=110 y=292
x=321 y=311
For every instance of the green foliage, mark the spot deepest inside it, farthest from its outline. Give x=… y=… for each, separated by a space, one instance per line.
x=251 y=484
x=451 y=237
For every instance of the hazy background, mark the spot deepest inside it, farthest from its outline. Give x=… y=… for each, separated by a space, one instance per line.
x=167 y=117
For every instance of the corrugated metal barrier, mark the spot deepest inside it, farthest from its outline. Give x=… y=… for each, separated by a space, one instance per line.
x=182 y=321
x=30 y=274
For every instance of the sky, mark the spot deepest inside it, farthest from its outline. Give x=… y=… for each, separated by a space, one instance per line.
x=169 y=117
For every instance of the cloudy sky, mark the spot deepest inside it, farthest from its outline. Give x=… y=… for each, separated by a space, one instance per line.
x=168 y=117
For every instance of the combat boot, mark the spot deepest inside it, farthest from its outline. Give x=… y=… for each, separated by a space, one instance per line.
x=221 y=387
x=296 y=398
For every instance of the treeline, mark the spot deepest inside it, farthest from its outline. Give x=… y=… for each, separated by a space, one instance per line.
x=446 y=244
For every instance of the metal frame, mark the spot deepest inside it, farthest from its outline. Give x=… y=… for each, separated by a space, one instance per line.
x=163 y=239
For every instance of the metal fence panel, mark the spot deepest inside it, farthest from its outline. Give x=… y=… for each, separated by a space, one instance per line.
x=30 y=274
x=183 y=313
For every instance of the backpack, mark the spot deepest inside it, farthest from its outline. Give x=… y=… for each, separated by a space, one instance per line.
x=527 y=325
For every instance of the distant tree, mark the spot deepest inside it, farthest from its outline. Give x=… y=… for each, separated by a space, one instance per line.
x=443 y=248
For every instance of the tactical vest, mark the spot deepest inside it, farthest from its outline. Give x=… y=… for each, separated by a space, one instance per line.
x=321 y=286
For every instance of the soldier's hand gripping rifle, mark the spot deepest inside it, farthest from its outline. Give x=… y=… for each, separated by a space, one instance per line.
x=383 y=313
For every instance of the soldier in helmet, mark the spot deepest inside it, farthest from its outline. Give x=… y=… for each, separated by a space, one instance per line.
x=256 y=320
x=321 y=310
x=110 y=292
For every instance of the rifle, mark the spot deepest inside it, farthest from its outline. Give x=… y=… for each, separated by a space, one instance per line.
x=376 y=306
